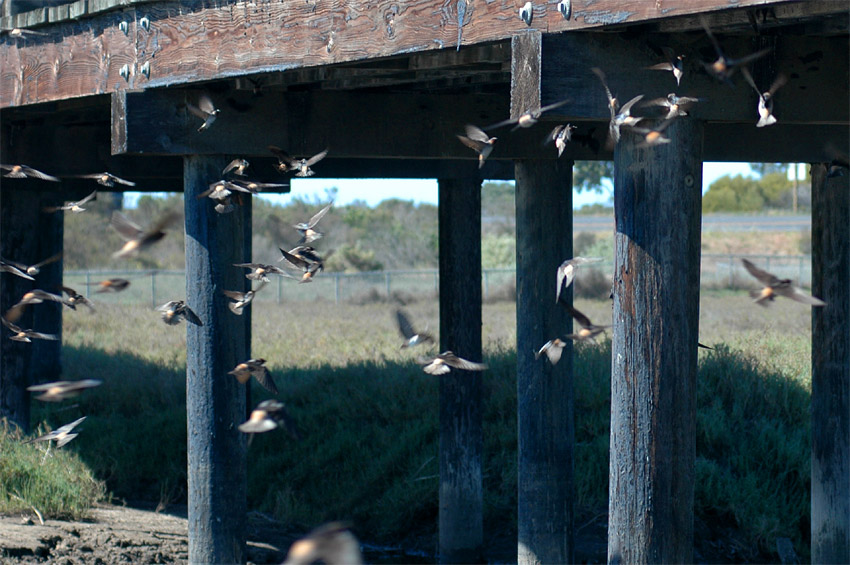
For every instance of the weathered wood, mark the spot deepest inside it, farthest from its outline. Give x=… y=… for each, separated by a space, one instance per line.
x=544 y=392
x=215 y=400
x=461 y=433
x=830 y=368
x=654 y=355
x=28 y=236
x=198 y=40
x=818 y=69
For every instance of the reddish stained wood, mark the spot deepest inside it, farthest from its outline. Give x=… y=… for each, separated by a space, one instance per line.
x=201 y=40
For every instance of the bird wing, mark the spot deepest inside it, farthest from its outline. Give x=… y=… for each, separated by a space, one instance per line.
x=264 y=377
x=90 y=197
x=404 y=325
x=319 y=215
x=206 y=105
x=583 y=320
x=119 y=180
x=30 y=172
x=197 y=111
x=661 y=67
x=566 y=274
x=473 y=144
x=49 y=260
x=234 y=294
x=67 y=427
x=164 y=222
x=552 y=106
x=475 y=133
x=780 y=80
x=598 y=72
x=627 y=107
x=191 y=316
x=168 y=305
x=10 y=325
x=294 y=262
x=459 y=363
x=39 y=335
x=749 y=78
x=232 y=165
x=798 y=295
x=316 y=158
x=125 y=227
x=710 y=35
x=763 y=276
x=282 y=155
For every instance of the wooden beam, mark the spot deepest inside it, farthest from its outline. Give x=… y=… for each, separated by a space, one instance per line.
x=461 y=433
x=830 y=368
x=818 y=69
x=198 y=40
x=656 y=313
x=215 y=401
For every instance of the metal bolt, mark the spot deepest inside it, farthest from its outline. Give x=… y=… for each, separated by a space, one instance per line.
x=566 y=8
x=125 y=71
x=145 y=23
x=123 y=26
x=146 y=69
x=689 y=180
x=527 y=13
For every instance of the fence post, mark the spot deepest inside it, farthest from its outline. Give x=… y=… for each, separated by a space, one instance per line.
x=336 y=288
x=486 y=284
x=279 y=290
x=88 y=283
x=731 y=272
x=800 y=270
x=387 y=282
x=153 y=289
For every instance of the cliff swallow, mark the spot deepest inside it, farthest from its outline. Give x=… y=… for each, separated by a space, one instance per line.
x=529 y=117
x=221 y=189
x=588 y=331
x=478 y=141
x=260 y=271
x=269 y=415
x=19 y=334
x=331 y=543
x=255 y=187
x=561 y=135
x=225 y=205
x=34 y=296
x=308 y=234
x=676 y=105
x=60 y=390
x=106 y=179
x=61 y=435
x=241 y=299
x=174 y=309
x=765 y=107
x=256 y=368
x=553 y=350
x=22 y=172
x=723 y=68
x=653 y=136
x=620 y=115
x=238 y=167
x=12 y=267
x=567 y=272
x=75 y=207
x=287 y=163
x=774 y=286
x=205 y=110
x=136 y=237
x=32 y=270
x=307 y=267
x=75 y=298
x=674 y=64
x=445 y=361
x=19 y=33
x=110 y=285
x=412 y=338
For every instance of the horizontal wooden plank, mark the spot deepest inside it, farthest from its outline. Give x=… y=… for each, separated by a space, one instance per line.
x=818 y=69
x=202 y=40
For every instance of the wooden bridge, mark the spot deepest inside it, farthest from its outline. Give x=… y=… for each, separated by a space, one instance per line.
x=386 y=86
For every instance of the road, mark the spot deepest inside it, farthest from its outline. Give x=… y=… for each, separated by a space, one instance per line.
x=712 y=222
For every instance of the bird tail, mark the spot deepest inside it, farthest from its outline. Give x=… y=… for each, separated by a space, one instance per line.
x=768 y=121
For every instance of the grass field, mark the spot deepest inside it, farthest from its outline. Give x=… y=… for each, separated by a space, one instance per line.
x=369 y=416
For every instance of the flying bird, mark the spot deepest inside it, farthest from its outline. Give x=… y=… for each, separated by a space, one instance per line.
x=723 y=68
x=15 y=269
x=620 y=115
x=32 y=270
x=255 y=368
x=60 y=390
x=553 y=350
x=205 y=110
x=22 y=172
x=261 y=271
x=61 y=435
x=18 y=33
x=653 y=136
x=307 y=231
x=110 y=285
x=34 y=296
x=173 y=310
x=765 y=106
x=588 y=331
x=674 y=64
x=221 y=189
x=445 y=361
x=238 y=167
x=774 y=286
x=106 y=179
x=255 y=187
x=75 y=298
x=567 y=272
x=412 y=338
x=478 y=141
x=330 y=543
x=676 y=106
x=241 y=299
x=73 y=206
x=561 y=135
x=137 y=238
x=287 y=163
x=307 y=267
x=269 y=415
x=528 y=118
x=26 y=336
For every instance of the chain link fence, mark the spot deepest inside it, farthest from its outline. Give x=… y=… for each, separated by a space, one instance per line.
x=157 y=287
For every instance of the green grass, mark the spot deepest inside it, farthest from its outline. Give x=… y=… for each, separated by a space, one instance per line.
x=369 y=416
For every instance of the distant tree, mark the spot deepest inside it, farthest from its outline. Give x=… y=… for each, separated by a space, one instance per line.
x=588 y=175
x=768 y=168
x=745 y=194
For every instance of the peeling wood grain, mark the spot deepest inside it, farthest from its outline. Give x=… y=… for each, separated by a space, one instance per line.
x=200 y=40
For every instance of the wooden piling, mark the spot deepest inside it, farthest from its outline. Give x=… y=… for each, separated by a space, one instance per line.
x=657 y=206
x=544 y=392
x=830 y=368
x=461 y=435
x=215 y=400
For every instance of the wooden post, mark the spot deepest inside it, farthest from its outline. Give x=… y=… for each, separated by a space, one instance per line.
x=654 y=357
x=544 y=392
x=215 y=400
x=27 y=235
x=461 y=435
x=830 y=368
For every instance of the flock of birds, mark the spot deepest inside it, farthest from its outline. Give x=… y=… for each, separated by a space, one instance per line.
x=334 y=542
